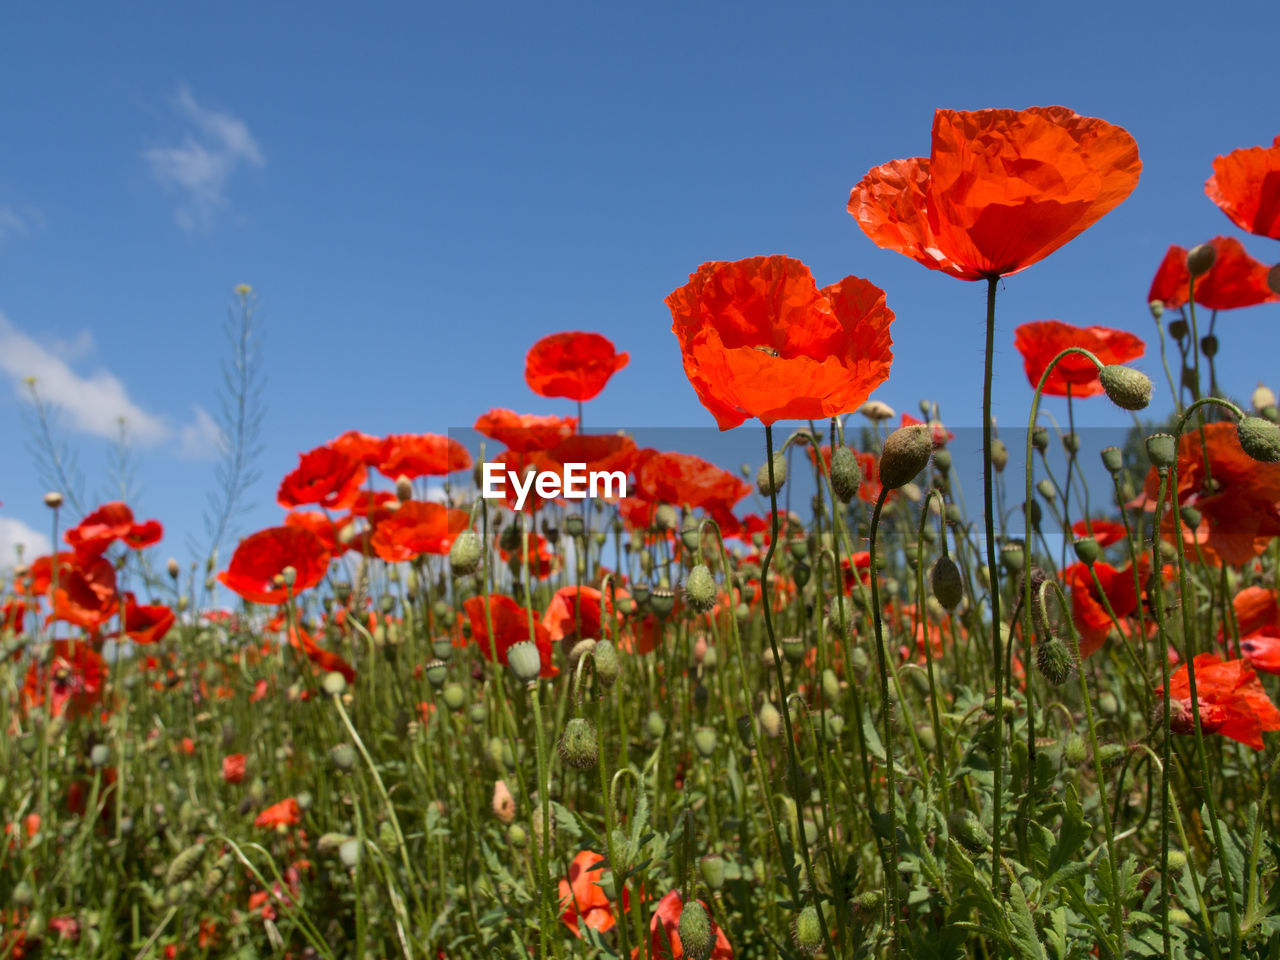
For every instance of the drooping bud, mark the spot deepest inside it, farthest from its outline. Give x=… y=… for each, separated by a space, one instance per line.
x=184 y=866
x=1190 y=516
x=846 y=474
x=1260 y=439
x=579 y=747
x=1162 y=450
x=694 y=930
x=876 y=410
x=947 y=584
x=1127 y=388
x=906 y=452
x=1054 y=661
x=1200 y=259
x=700 y=589
x=779 y=475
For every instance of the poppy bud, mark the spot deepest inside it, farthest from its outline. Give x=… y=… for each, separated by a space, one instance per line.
x=1262 y=398
x=704 y=741
x=700 y=589
x=1162 y=450
x=1178 y=329
x=779 y=476
x=770 y=720
x=694 y=930
x=1127 y=388
x=832 y=726
x=655 y=724
x=100 y=755
x=525 y=661
x=1108 y=704
x=846 y=474
x=334 y=684
x=1260 y=439
x=343 y=756
x=942 y=460
x=947 y=584
x=579 y=747
x=690 y=532
x=53 y=500
x=1190 y=516
x=860 y=661
x=289 y=576
x=1112 y=459
x=1177 y=860
x=664 y=517
x=1087 y=550
x=184 y=866
x=510 y=539
x=808 y=930
x=1200 y=259
x=404 y=488
x=969 y=831
x=1054 y=661
x=1047 y=490
x=455 y=698
x=712 y=869
x=906 y=452
x=876 y=410
x=605 y=655
x=1040 y=439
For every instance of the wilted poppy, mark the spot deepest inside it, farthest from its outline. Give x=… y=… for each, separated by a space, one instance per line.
x=325 y=476
x=511 y=625
x=1232 y=701
x=260 y=558
x=664 y=936
x=1235 y=279
x=1000 y=190
x=573 y=365
x=525 y=432
x=581 y=897
x=1041 y=341
x=759 y=339
x=418 y=527
x=415 y=455
x=1246 y=187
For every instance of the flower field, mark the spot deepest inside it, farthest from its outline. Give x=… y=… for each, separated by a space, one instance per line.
x=853 y=700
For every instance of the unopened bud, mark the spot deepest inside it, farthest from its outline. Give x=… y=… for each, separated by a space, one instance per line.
x=763 y=483
x=999 y=455
x=700 y=589
x=1260 y=439
x=1200 y=259
x=947 y=583
x=1127 y=388
x=846 y=474
x=906 y=452
x=694 y=930
x=53 y=500
x=464 y=554
x=525 y=661
x=876 y=410
x=1054 y=661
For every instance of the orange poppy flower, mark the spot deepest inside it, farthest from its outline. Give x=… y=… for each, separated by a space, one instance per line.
x=233 y=767
x=361 y=446
x=1041 y=341
x=326 y=476
x=1106 y=532
x=574 y=365
x=1246 y=187
x=71 y=680
x=686 y=480
x=144 y=623
x=578 y=612
x=525 y=432
x=1235 y=279
x=759 y=339
x=1000 y=190
x=510 y=626
x=86 y=594
x=283 y=814
x=1087 y=609
x=261 y=557
x=1256 y=611
x=664 y=936
x=542 y=562
x=415 y=455
x=326 y=660
x=1232 y=701
x=114 y=521
x=1262 y=650
x=582 y=898
x=416 y=528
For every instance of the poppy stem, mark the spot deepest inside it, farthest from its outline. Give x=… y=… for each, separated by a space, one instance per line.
x=993 y=568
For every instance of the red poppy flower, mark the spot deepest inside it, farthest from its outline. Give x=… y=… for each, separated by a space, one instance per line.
x=664 y=936
x=1087 y=609
x=12 y=614
x=114 y=521
x=576 y=613
x=260 y=558
x=143 y=535
x=1232 y=701
x=1256 y=610
x=759 y=339
x=361 y=446
x=525 y=432
x=233 y=767
x=1246 y=187
x=1106 y=532
x=572 y=365
x=145 y=624
x=283 y=814
x=322 y=525
x=416 y=528
x=1000 y=190
x=1238 y=511
x=582 y=898
x=86 y=593
x=1235 y=279
x=415 y=455
x=326 y=660
x=1262 y=651
x=597 y=452
x=510 y=626
x=325 y=476
x=1041 y=341
x=542 y=562
x=72 y=679
x=686 y=480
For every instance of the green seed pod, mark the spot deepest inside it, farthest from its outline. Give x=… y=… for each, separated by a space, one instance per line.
x=100 y=755
x=525 y=661
x=969 y=831
x=1162 y=450
x=662 y=601
x=477 y=713
x=869 y=903
x=808 y=930
x=942 y=460
x=455 y=697
x=465 y=553
x=779 y=475
x=579 y=747
x=704 y=741
x=1112 y=459
x=1127 y=388
x=334 y=684
x=1108 y=705
x=695 y=931
x=906 y=452
x=343 y=756
x=1074 y=750
x=1087 y=550
x=655 y=724
x=700 y=589
x=605 y=655
x=437 y=672
x=925 y=734
x=664 y=517
x=23 y=895
x=1040 y=439
x=518 y=836
x=349 y=854
x=712 y=869
x=1054 y=661
x=184 y=866
x=846 y=474
x=800 y=573
x=1190 y=516
x=690 y=532
x=946 y=582
x=575 y=526
x=793 y=649
x=1011 y=557
x=1178 y=329
x=830 y=685
x=1260 y=439
x=1200 y=259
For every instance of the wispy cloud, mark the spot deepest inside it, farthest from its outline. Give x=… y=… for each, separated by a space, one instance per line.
x=199 y=169
x=18 y=222
x=94 y=403
x=14 y=532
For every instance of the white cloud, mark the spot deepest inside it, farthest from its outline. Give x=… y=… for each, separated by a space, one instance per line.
x=201 y=439
x=14 y=532
x=93 y=404
x=201 y=166
x=18 y=222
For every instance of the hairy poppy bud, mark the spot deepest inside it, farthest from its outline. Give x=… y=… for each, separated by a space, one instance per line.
x=1200 y=259
x=579 y=747
x=606 y=659
x=947 y=584
x=779 y=476
x=1040 y=439
x=694 y=930
x=876 y=410
x=969 y=831
x=846 y=474
x=1074 y=751
x=906 y=452
x=525 y=661
x=700 y=589
x=942 y=460
x=1087 y=550
x=1054 y=661
x=1127 y=388
x=1260 y=439
x=808 y=930
x=1162 y=450
x=770 y=720
x=1047 y=490
x=1112 y=459
x=999 y=455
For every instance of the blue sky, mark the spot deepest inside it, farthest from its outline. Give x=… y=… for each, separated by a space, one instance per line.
x=418 y=193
